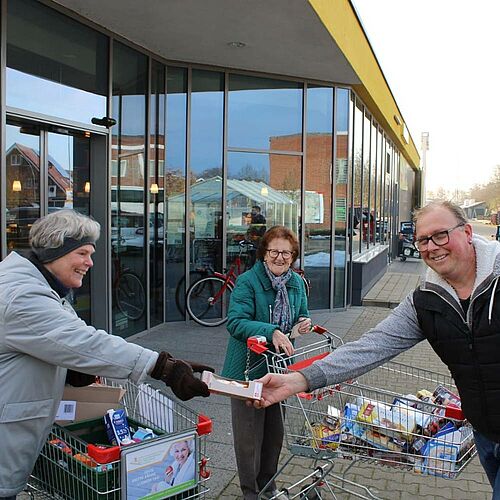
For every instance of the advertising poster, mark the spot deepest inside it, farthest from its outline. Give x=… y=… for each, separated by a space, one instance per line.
x=160 y=468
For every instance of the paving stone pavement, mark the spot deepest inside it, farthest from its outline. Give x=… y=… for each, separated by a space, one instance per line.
x=190 y=341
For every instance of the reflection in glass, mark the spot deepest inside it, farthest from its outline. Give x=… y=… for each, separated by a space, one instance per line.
x=357 y=178
x=342 y=102
x=127 y=191
x=373 y=181
x=68 y=172
x=380 y=186
x=205 y=208
x=175 y=194
x=261 y=110
x=367 y=220
x=62 y=60
x=318 y=199
x=22 y=183
x=269 y=196
x=156 y=202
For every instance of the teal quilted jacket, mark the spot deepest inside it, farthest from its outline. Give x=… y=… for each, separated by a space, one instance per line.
x=249 y=315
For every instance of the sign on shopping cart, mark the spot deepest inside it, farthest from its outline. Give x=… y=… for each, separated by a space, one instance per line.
x=159 y=469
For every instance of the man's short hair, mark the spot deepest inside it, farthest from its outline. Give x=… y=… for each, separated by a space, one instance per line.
x=448 y=205
x=256 y=207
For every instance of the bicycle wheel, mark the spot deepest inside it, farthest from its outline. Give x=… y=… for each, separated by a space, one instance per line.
x=180 y=290
x=207 y=301
x=130 y=296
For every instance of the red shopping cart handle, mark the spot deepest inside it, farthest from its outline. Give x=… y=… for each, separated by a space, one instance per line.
x=306 y=362
x=204 y=425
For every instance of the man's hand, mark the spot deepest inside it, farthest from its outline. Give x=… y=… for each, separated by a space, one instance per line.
x=282 y=343
x=278 y=387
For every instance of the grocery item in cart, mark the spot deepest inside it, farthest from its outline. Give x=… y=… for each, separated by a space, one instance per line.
x=117 y=427
x=393 y=421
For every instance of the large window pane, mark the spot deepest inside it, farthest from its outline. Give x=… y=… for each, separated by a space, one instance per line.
x=357 y=177
x=319 y=176
x=373 y=181
x=69 y=187
x=267 y=183
x=51 y=55
x=22 y=183
x=367 y=221
x=175 y=193
x=127 y=190
x=156 y=190
x=341 y=194
x=207 y=107
x=264 y=113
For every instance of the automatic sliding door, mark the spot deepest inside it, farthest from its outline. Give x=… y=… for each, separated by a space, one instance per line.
x=68 y=174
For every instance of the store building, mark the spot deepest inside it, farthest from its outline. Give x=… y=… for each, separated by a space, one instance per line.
x=169 y=122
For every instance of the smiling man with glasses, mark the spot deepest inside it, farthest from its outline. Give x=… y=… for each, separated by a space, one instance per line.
x=456 y=308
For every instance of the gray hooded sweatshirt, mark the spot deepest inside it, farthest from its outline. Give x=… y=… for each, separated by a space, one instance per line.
x=41 y=336
x=400 y=330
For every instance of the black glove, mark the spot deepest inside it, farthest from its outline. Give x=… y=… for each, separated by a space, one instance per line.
x=198 y=367
x=77 y=379
x=178 y=375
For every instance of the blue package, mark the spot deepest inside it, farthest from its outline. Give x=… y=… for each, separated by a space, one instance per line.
x=117 y=427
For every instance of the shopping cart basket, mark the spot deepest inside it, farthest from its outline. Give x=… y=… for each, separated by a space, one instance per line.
x=395 y=415
x=68 y=468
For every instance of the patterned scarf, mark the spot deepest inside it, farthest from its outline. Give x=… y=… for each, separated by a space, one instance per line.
x=282 y=314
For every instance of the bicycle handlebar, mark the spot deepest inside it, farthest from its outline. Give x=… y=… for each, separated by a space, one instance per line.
x=245 y=243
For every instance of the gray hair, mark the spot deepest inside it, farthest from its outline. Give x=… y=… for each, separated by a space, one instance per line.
x=51 y=230
x=447 y=205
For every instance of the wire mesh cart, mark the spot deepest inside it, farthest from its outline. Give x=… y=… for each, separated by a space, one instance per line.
x=73 y=466
x=395 y=415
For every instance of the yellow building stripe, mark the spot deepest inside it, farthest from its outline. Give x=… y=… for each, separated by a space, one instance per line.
x=339 y=18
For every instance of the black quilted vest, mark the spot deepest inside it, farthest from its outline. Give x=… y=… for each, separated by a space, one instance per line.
x=470 y=347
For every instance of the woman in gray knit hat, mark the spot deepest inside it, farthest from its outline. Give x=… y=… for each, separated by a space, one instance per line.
x=43 y=343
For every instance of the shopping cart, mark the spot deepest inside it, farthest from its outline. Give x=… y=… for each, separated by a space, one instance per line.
x=68 y=468
x=387 y=417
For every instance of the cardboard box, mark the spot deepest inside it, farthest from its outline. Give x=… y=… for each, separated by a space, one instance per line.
x=83 y=403
x=232 y=388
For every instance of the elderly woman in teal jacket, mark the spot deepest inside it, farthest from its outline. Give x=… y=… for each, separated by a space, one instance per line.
x=268 y=300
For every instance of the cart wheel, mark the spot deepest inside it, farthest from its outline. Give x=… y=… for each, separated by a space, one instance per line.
x=402 y=258
x=309 y=493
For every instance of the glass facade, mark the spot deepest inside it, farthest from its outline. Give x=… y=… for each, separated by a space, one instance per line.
x=53 y=56
x=128 y=194
x=199 y=161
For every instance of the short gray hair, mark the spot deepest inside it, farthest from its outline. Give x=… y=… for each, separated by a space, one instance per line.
x=447 y=205
x=51 y=230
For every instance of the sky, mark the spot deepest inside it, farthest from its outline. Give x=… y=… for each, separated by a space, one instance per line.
x=441 y=60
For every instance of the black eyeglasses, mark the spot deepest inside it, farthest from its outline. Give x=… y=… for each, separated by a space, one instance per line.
x=274 y=253
x=440 y=238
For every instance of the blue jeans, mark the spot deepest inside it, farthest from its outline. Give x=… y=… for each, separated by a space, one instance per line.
x=489 y=455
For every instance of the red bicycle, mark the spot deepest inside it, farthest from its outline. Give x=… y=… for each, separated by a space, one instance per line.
x=207 y=299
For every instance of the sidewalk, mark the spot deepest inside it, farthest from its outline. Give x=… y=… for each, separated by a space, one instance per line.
x=190 y=341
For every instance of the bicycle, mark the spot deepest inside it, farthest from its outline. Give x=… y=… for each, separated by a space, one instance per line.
x=207 y=299
x=129 y=291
